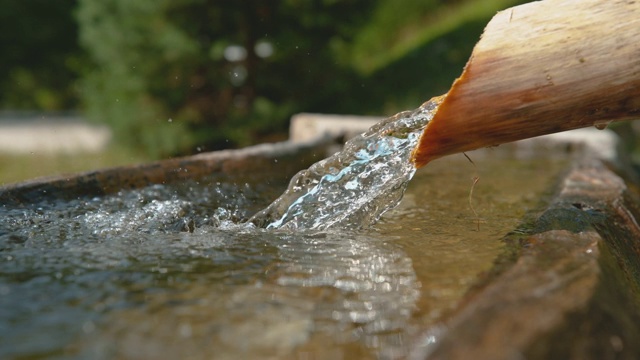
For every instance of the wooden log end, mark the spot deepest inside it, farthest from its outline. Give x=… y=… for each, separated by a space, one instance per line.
x=540 y=68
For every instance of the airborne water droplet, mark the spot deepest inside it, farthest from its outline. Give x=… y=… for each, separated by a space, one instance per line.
x=602 y=124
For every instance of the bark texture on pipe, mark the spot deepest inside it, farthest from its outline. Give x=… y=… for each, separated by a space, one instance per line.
x=541 y=68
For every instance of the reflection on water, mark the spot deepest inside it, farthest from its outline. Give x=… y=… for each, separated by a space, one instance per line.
x=123 y=276
x=262 y=295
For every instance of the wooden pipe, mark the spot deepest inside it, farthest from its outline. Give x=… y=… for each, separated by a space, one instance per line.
x=540 y=68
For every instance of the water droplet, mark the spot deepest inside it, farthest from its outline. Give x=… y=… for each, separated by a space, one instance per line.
x=185 y=330
x=88 y=327
x=602 y=124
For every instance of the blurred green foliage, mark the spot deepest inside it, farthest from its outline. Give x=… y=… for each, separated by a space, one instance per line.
x=40 y=56
x=164 y=83
x=178 y=76
x=394 y=30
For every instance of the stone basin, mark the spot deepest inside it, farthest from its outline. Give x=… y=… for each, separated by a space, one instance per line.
x=541 y=262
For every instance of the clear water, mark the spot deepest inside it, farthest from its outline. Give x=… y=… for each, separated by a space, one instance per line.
x=352 y=188
x=115 y=277
x=178 y=271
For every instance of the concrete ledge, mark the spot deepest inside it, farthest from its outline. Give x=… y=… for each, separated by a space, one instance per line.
x=51 y=134
x=305 y=126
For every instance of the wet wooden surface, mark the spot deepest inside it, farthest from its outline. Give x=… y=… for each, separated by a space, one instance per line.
x=540 y=68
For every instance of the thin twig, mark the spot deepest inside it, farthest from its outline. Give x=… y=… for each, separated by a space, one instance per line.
x=474 y=180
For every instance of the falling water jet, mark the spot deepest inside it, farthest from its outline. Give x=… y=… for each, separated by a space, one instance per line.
x=498 y=98
x=352 y=188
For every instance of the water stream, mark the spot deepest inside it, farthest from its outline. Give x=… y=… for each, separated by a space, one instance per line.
x=182 y=271
x=352 y=188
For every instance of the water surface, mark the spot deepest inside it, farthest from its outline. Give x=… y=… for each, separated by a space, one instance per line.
x=171 y=272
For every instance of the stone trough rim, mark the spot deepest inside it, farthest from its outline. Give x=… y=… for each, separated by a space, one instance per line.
x=99 y=182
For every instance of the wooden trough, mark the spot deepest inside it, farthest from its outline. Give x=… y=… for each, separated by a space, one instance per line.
x=540 y=68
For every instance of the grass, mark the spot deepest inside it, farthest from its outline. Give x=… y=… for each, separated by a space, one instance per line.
x=17 y=168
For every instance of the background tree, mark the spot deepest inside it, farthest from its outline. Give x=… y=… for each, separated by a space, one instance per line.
x=40 y=55
x=171 y=76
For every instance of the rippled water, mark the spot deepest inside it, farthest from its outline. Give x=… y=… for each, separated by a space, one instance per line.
x=116 y=276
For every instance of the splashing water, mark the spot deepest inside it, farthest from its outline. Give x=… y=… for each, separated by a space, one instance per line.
x=354 y=187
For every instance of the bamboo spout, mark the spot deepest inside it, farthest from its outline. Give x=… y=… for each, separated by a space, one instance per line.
x=540 y=68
